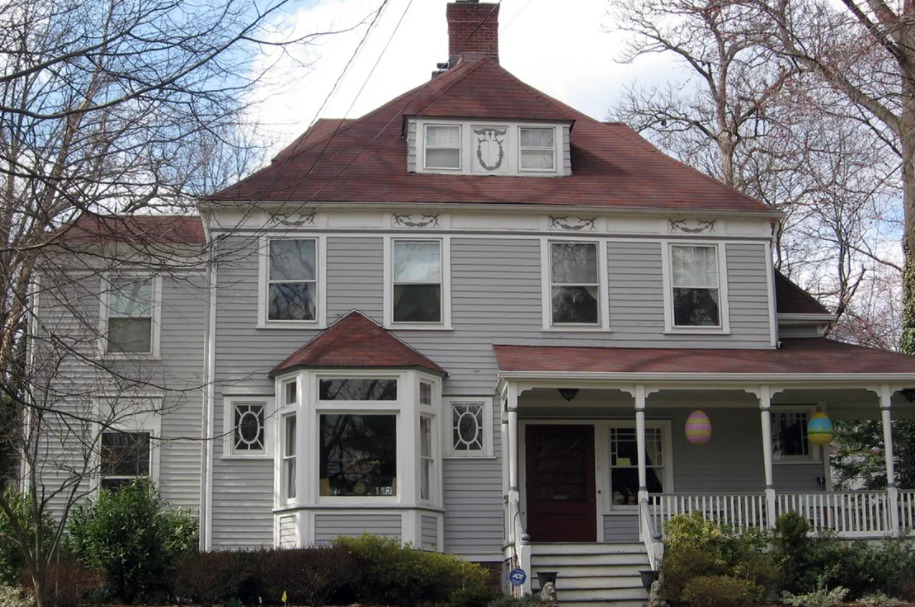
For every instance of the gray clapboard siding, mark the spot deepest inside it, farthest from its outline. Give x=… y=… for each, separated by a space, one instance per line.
x=351 y=284
x=748 y=293
x=621 y=528
x=429 y=532
x=566 y=150
x=332 y=525
x=411 y=146
x=287 y=531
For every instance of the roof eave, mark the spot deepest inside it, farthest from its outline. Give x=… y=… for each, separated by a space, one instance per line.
x=274 y=373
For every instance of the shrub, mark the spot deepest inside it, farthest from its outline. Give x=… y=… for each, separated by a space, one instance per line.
x=791 y=546
x=14 y=596
x=307 y=575
x=134 y=537
x=721 y=591
x=395 y=574
x=472 y=597
x=71 y=584
x=818 y=598
x=878 y=599
x=12 y=562
x=211 y=577
x=508 y=601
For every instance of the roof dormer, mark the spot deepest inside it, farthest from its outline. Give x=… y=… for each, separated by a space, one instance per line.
x=488 y=147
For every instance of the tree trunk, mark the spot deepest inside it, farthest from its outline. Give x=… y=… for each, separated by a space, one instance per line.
x=907 y=147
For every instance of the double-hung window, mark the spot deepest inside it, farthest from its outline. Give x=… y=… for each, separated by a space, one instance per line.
x=695 y=286
x=418 y=281
x=292 y=280
x=537 y=149
x=575 y=284
x=287 y=467
x=130 y=316
x=443 y=147
x=125 y=457
x=789 y=436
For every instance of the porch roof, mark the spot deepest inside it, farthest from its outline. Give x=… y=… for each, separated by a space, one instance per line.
x=796 y=358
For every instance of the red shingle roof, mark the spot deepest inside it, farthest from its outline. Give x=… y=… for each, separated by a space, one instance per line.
x=795 y=357
x=791 y=299
x=366 y=160
x=354 y=341
x=135 y=229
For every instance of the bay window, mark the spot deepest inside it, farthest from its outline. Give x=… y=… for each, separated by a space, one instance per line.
x=358 y=455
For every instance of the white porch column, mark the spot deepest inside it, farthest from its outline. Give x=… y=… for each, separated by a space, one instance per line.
x=513 y=442
x=765 y=403
x=522 y=544
x=640 y=441
x=892 y=493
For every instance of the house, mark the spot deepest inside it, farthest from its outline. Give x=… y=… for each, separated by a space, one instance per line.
x=477 y=320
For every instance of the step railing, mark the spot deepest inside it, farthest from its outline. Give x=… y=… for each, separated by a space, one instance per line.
x=739 y=510
x=849 y=513
x=651 y=535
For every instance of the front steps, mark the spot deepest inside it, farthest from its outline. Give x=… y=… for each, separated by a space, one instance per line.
x=593 y=574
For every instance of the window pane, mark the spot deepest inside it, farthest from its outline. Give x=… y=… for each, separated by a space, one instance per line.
x=417 y=303
x=695 y=266
x=696 y=307
x=574 y=263
x=467 y=427
x=358 y=455
x=425 y=440
x=292 y=260
x=425 y=393
x=575 y=305
x=289 y=437
x=443 y=159
x=292 y=301
x=789 y=434
x=443 y=137
x=537 y=159
x=125 y=454
x=129 y=335
x=357 y=389
x=537 y=138
x=417 y=261
x=130 y=298
x=249 y=427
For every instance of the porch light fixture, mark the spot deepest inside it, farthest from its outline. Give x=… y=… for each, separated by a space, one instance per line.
x=568 y=393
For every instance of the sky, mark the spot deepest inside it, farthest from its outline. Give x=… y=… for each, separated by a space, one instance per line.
x=563 y=48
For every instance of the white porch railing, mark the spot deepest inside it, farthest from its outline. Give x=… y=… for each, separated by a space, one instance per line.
x=849 y=513
x=651 y=536
x=740 y=510
x=519 y=541
x=907 y=510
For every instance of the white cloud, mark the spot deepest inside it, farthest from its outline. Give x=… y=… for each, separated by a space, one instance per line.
x=563 y=49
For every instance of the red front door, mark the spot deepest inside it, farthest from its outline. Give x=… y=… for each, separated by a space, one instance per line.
x=561 y=505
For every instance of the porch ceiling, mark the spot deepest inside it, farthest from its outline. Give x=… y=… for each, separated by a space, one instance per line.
x=804 y=359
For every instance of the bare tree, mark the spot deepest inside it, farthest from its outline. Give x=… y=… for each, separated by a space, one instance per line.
x=129 y=107
x=747 y=115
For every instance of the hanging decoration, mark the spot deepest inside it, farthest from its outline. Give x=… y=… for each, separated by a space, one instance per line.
x=819 y=429
x=698 y=428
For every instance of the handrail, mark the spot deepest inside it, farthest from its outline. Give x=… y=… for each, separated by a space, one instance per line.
x=650 y=535
x=521 y=541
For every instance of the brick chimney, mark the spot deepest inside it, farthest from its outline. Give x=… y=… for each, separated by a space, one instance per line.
x=473 y=29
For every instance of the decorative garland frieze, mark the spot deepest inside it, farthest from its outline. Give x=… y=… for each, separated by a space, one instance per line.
x=293 y=220
x=574 y=224
x=417 y=221
x=692 y=226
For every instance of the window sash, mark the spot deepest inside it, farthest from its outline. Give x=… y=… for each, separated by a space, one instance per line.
x=124 y=457
x=129 y=316
x=695 y=286
x=288 y=466
x=575 y=283
x=789 y=435
x=624 y=469
x=357 y=455
x=427 y=464
x=537 y=147
x=417 y=281
x=292 y=279
x=443 y=147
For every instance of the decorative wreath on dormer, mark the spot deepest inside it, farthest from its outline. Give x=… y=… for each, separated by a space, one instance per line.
x=496 y=136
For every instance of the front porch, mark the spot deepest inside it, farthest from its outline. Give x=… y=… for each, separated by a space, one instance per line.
x=607 y=462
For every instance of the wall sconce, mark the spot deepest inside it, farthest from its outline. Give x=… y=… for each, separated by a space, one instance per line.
x=568 y=393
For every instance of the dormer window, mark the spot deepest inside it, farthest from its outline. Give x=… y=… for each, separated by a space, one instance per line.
x=488 y=148
x=538 y=149
x=443 y=147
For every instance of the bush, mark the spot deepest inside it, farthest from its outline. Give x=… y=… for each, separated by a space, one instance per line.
x=12 y=562
x=307 y=575
x=134 y=537
x=878 y=599
x=508 y=601
x=71 y=584
x=211 y=577
x=818 y=598
x=722 y=591
x=14 y=596
x=472 y=597
x=394 y=574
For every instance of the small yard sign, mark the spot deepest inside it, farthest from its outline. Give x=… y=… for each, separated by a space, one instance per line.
x=517 y=576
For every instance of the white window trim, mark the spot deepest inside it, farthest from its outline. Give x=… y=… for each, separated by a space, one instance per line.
x=546 y=282
x=156 y=324
x=228 y=411
x=448 y=429
x=113 y=415
x=281 y=458
x=813 y=452
x=724 y=316
x=422 y=145
x=603 y=456
x=263 y=266
x=556 y=139
x=445 y=242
